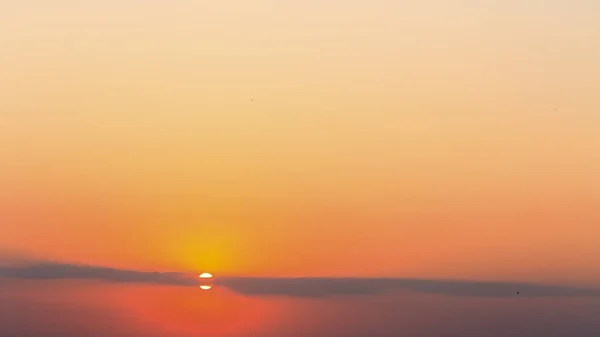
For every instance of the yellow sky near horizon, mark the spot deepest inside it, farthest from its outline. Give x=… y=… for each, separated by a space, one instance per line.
x=418 y=138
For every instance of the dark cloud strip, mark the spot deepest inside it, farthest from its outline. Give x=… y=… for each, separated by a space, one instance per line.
x=325 y=287
x=56 y=271
x=299 y=287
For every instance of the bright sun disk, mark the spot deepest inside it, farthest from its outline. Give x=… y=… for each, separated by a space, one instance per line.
x=205 y=275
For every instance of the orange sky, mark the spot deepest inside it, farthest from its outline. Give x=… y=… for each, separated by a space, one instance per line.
x=303 y=138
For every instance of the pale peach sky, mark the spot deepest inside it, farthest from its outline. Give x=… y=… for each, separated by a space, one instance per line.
x=406 y=138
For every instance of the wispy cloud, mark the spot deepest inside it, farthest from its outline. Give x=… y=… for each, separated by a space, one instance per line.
x=298 y=287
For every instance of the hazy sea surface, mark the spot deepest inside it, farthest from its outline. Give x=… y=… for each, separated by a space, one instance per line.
x=89 y=308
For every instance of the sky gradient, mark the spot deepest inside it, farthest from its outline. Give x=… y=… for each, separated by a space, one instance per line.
x=427 y=139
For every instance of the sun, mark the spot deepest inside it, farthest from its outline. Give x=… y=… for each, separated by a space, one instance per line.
x=205 y=287
x=205 y=275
